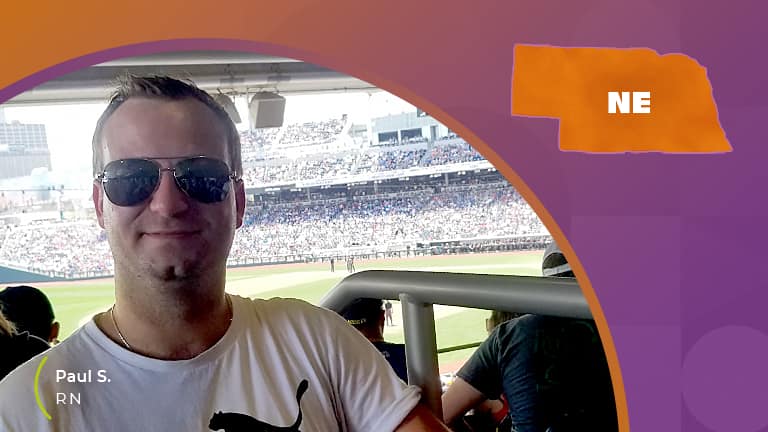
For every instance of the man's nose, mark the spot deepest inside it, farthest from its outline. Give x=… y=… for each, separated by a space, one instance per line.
x=168 y=199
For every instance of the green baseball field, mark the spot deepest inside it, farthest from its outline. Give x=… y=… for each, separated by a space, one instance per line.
x=75 y=302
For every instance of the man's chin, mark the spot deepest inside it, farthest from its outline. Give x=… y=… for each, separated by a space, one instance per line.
x=173 y=272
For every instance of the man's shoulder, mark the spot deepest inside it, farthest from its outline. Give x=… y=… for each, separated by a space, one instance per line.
x=288 y=309
x=523 y=325
x=545 y=326
x=276 y=304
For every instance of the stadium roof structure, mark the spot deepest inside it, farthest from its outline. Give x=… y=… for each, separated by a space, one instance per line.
x=227 y=72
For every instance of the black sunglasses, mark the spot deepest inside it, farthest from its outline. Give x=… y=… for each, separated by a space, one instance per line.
x=128 y=182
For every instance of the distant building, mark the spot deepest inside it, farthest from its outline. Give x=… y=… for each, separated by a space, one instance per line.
x=23 y=147
x=407 y=128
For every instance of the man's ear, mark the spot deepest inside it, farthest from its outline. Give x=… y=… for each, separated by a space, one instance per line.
x=240 y=201
x=98 y=203
x=54 y=332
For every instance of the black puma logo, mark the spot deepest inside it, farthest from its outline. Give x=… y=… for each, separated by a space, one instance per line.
x=236 y=422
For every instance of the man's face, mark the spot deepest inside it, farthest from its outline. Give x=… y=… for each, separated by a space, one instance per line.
x=170 y=235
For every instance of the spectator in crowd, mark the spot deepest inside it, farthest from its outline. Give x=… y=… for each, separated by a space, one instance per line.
x=16 y=348
x=168 y=192
x=29 y=310
x=367 y=316
x=552 y=371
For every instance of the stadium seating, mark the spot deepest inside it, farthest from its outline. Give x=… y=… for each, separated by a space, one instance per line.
x=317 y=221
x=303 y=227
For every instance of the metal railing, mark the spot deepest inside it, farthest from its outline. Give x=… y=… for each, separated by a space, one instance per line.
x=419 y=291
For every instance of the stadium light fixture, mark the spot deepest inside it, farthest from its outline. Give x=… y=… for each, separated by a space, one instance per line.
x=228 y=105
x=266 y=109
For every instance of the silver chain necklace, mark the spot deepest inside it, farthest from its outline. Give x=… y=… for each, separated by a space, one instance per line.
x=125 y=342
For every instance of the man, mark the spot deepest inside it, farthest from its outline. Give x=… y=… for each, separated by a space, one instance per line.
x=30 y=311
x=175 y=352
x=552 y=371
x=367 y=316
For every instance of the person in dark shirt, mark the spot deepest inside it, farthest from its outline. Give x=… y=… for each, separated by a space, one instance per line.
x=552 y=371
x=16 y=348
x=367 y=316
x=30 y=311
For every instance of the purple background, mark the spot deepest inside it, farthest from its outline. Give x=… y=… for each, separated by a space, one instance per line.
x=672 y=244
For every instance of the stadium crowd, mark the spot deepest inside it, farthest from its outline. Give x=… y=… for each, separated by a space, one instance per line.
x=302 y=169
x=292 y=228
x=259 y=144
x=356 y=162
x=313 y=132
x=68 y=248
x=374 y=220
x=266 y=161
x=321 y=221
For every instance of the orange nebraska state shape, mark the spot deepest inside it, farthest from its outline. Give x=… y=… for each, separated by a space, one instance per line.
x=572 y=84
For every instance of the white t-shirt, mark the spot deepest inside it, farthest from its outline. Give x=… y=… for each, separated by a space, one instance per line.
x=249 y=378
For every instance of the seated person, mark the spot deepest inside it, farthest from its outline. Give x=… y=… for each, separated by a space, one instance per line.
x=492 y=414
x=29 y=310
x=367 y=316
x=497 y=318
x=16 y=348
x=552 y=372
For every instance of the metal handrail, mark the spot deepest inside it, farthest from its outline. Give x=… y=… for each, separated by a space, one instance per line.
x=419 y=290
x=458 y=347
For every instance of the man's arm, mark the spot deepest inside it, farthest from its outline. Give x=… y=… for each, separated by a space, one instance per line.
x=421 y=419
x=458 y=399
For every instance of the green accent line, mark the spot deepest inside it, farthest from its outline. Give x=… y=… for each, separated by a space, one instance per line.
x=37 y=392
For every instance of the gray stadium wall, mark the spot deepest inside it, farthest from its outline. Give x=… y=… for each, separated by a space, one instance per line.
x=13 y=276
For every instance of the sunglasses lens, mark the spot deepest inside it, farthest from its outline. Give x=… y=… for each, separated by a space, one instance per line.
x=129 y=182
x=203 y=179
